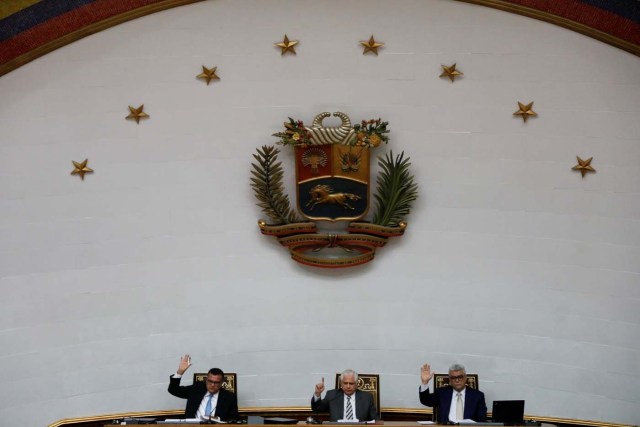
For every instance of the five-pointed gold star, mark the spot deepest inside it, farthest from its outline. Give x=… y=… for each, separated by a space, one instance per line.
x=583 y=166
x=525 y=111
x=287 y=45
x=208 y=74
x=371 y=46
x=450 y=72
x=137 y=113
x=80 y=168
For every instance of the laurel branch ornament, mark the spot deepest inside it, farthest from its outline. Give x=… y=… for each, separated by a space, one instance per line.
x=396 y=191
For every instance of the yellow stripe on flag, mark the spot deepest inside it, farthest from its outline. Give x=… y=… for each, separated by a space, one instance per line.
x=9 y=7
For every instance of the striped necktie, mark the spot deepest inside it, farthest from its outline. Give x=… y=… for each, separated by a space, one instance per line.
x=349 y=409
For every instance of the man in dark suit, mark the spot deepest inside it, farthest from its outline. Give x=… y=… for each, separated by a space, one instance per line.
x=347 y=403
x=205 y=400
x=456 y=402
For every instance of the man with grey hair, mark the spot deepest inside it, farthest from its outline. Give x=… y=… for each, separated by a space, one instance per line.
x=347 y=403
x=456 y=402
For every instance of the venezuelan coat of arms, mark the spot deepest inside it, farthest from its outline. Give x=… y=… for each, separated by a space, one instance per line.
x=332 y=167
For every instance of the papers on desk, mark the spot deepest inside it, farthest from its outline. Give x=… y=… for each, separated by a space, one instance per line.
x=214 y=420
x=347 y=422
x=426 y=423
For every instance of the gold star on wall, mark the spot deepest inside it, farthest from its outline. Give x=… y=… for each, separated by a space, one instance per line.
x=450 y=72
x=80 y=168
x=583 y=166
x=525 y=111
x=137 y=113
x=208 y=74
x=371 y=46
x=287 y=45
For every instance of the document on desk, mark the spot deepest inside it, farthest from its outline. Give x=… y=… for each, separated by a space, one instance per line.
x=427 y=423
x=214 y=420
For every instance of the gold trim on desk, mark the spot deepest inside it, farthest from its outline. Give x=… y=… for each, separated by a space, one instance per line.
x=109 y=417
x=306 y=409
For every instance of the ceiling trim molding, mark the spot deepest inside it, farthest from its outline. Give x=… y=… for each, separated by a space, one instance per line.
x=46 y=25
x=579 y=16
x=46 y=34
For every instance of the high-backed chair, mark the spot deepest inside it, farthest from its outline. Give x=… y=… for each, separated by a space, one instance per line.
x=442 y=380
x=229 y=383
x=369 y=383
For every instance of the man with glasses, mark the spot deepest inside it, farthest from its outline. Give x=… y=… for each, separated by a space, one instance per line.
x=456 y=402
x=206 y=400
x=347 y=403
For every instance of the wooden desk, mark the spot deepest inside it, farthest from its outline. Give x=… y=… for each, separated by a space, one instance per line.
x=379 y=423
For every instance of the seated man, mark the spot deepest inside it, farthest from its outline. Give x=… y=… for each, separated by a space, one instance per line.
x=348 y=403
x=457 y=402
x=204 y=400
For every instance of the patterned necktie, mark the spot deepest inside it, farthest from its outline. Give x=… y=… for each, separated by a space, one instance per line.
x=459 y=410
x=349 y=409
x=207 y=409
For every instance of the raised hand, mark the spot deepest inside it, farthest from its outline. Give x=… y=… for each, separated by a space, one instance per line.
x=425 y=373
x=185 y=362
x=319 y=388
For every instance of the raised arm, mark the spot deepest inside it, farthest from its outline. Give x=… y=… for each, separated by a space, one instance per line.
x=426 y=374
x=185 y=363
x=175 y=388
x=426 y=397
x=317 y=404
x=319 y=389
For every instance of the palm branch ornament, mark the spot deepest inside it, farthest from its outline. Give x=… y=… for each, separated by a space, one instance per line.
x=329 y=227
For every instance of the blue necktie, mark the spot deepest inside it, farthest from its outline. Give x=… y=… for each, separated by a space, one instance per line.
x=207 y=409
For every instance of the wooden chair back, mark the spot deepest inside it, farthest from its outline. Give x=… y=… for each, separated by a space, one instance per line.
x=369 y=383
x=229 y=382
x=442 y=380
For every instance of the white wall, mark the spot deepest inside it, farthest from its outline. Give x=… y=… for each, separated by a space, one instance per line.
x=512 y=263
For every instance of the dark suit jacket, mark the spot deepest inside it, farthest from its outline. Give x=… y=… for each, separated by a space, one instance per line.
x=226 y=408
x=334 y=403
x=474 y=405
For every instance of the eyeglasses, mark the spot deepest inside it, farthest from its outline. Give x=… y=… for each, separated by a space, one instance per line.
x=214 y=382
x=456 y=378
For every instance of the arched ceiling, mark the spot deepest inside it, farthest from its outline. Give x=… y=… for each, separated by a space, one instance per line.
x=32 y=28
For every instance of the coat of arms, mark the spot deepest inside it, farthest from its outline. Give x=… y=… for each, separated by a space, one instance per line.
x=332 y=177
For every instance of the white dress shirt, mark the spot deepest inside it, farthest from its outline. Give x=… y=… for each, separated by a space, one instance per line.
x=203 y=405
x=344 y=405
x=452 y=408
x=353 y=406
x=214 y=402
